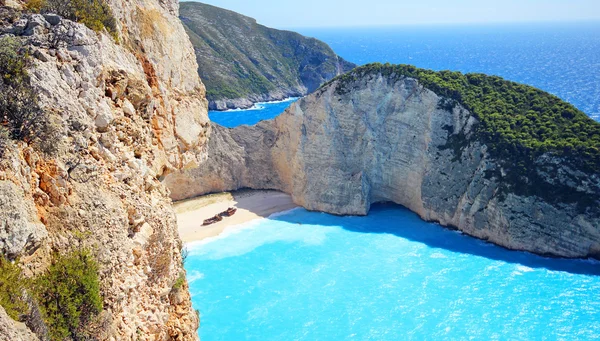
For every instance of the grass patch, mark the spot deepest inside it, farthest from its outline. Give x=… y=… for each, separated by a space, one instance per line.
x=180 y=282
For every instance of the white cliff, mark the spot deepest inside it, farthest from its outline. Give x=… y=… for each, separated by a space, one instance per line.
x=388 y=139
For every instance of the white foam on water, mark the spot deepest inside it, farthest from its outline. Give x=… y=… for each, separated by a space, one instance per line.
x=522 y=268
x=234 y=229
x=289 y=99
x=438 y=255
x=261 y=105
x=194 y=275
x=244 y=238
x=283 y=213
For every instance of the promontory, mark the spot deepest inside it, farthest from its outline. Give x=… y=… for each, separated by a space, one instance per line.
x=498 y=160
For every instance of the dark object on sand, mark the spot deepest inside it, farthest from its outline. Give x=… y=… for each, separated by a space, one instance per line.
x=230 y=211
x=212 y=220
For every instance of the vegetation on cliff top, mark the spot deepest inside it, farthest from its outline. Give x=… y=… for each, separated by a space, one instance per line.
x=95 y=14
x=518 y=123
x=238 y=58
x=514 y=117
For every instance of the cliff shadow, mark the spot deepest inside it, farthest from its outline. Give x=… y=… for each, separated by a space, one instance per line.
x=399 y=221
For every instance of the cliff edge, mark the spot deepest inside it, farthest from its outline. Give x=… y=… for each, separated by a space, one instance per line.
x=124 y=111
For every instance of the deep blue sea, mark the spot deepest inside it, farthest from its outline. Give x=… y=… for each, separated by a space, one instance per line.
x=390 y=276
x=561 y=58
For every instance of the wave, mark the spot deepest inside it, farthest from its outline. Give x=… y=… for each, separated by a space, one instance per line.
x=263 y=105
x=194 y=275
x=235 y=229
x=246 y=238
x=286 y=212
x=289 y=99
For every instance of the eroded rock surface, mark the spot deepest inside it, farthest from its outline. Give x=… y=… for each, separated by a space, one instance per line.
x=390 y=140
x=11 y=330
x=127 y=114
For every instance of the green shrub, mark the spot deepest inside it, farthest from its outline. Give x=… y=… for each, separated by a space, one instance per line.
x=21 y=118
x=12 y=61
x=180 y=282
x=4 y=139
x=35 y=5
x=69 y=295
x=12 y=285
x=95 y=14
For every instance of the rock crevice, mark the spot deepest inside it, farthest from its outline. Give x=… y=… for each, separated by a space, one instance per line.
x=127 y=113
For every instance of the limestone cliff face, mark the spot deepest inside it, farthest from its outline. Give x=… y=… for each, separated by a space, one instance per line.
x=128 y=114
x=390 y=141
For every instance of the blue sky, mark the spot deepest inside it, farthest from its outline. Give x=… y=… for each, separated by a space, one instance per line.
x=332 y=13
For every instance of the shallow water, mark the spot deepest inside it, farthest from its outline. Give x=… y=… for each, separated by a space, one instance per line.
x=389 y=276
x=260 y=111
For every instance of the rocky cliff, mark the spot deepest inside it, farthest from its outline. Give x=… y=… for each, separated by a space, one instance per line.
x=382 y=136
x=242 y=62
x=126 y=113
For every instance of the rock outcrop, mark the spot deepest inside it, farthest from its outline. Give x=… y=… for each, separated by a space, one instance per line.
x=127 y=114
x=242 y=62
x=389 y=139
x=14 y=331
x=20 y=228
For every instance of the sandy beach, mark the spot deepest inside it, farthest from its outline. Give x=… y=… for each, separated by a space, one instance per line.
x=250 y=205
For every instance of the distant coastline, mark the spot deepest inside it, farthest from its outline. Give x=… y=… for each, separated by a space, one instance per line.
x=260 y=105
x=259 y=111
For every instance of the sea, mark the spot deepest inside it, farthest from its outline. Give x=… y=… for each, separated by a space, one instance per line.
x=303 y=275
x=560 y=58
x=259 y=112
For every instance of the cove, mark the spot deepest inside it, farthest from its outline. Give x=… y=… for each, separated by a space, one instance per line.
x=260 y=111
x=389 y=276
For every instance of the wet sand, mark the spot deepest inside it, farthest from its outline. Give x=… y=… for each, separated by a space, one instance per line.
x=250 y=205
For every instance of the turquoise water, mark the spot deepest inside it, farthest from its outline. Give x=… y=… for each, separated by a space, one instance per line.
x=389 y=276
x=260 y=111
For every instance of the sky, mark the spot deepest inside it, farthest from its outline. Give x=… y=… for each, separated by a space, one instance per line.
x=349 y=13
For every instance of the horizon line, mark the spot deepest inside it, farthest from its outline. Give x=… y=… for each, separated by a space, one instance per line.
x=476 y=23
